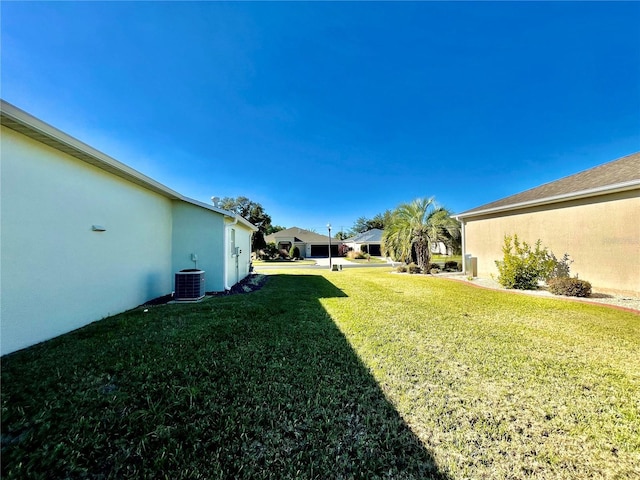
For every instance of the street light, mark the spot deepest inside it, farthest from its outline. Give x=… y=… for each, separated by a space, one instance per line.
x=329 y=227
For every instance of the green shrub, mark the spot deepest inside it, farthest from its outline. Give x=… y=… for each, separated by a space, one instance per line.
x=268 y=252
x=413 y=268
x=357 y=255
x=401 y=269
x=561 y=267
x=451 y=265
x=433 y=268
x=294 y=252
x=523 y=266
x=571 y=287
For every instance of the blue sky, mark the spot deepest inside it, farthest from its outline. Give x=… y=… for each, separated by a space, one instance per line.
x=330 y=111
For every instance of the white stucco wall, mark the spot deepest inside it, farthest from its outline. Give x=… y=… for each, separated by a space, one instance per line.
x=58 y=274
x=199 y=231
x=238 y=266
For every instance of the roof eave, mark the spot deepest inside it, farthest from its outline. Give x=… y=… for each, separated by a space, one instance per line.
x=20 y=121
x=593 y=192
x=24 y=123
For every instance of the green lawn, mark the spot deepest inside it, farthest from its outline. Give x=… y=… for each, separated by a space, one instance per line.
x=285 y=261
x=366 y=260
x=446 y=258
x=360 y=373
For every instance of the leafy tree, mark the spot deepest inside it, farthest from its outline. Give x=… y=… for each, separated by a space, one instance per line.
x=273 y=229
x=450 y=233
x=364 y=224
x=254 y=213
x=361 y=225
x=380 y=220
x=258 y=242
x=342 y=235
x=414 y=227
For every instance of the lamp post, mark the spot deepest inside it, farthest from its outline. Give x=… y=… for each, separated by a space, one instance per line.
x=329 y=227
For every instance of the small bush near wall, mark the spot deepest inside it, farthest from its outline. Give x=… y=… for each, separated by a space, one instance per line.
x=571 y=287
x=294 y=252
x=522 y=265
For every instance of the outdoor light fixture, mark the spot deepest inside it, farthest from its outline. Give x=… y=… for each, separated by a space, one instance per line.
x=329 y=228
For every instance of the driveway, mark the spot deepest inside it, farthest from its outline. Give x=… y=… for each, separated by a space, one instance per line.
x=324 y=263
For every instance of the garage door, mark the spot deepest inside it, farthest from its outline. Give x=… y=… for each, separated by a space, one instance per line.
x=319 y=250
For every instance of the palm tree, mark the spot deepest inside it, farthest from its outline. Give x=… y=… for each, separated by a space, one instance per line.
x=414 y=227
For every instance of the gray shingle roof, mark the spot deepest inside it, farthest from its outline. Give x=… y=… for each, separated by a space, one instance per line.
x=620 y=174
x=371 y=236
x=300 y=234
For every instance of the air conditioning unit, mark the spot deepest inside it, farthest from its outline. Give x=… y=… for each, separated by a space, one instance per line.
x=189 y=285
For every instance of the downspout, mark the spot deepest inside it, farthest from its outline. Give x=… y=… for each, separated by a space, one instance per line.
x=226 y=255
x=464 y=244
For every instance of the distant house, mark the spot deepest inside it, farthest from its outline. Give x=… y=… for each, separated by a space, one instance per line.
x=367 y=242
x=85 y=236
x=594 y=216
x=309 y=243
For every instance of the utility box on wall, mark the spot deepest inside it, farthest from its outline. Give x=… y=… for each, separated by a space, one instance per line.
x=189 y=285
x=471 y=266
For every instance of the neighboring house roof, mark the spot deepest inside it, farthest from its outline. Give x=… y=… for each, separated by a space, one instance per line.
x=26 y=124
x=371 y=236
x=616 y=176
x=299 y=235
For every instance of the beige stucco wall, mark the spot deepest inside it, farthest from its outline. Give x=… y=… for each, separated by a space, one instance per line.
x=602 y=236
x=56 y=273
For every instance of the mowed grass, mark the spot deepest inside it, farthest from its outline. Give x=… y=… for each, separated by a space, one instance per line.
x=361 y=373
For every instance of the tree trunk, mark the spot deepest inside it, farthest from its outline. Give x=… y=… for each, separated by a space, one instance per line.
x=423 y=256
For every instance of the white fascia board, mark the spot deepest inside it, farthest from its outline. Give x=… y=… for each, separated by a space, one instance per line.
x=593 y=192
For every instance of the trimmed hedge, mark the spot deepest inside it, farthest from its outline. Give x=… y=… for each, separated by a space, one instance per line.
x=571 y=287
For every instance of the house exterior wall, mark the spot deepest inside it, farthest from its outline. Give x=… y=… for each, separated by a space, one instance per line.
x=57 y=274
x=601 y=234
x=238 y=264
x=198 y=231
x=279 y=240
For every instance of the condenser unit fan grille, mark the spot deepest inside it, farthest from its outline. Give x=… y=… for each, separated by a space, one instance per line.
x=189 y=285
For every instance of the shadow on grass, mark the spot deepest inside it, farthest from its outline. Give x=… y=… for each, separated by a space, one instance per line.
x=260 y=386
